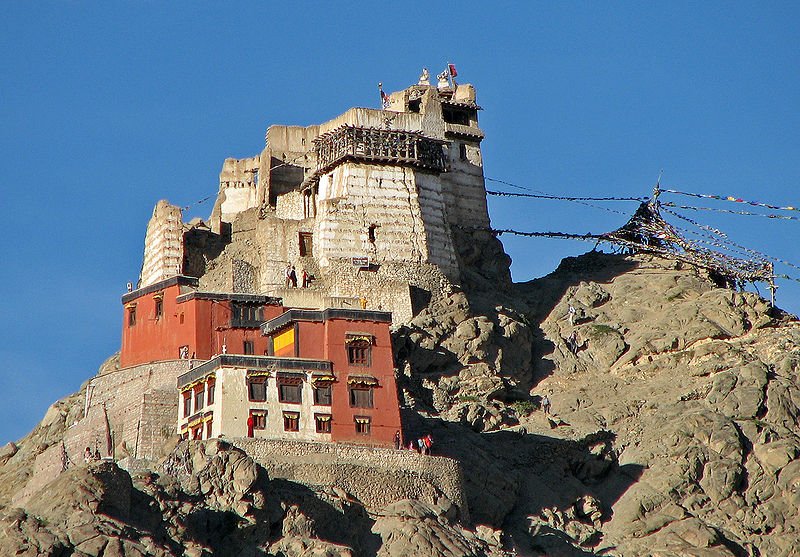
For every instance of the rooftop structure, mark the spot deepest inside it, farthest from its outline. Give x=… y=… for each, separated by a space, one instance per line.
x=331 y=379
x=387 y=205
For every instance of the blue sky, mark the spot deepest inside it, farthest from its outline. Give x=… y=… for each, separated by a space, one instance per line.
x=105 y=108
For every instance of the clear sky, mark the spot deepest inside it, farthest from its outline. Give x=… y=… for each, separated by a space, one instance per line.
x=105 y=108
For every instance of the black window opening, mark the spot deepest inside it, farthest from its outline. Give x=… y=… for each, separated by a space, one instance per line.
x=462 y=151
x=322 y=394
x=306 y=244
x=259 y=419
x=248 y=347
x=359 y=353
x=131 y=316
x=159 y=307
x=456 y=115
x=323 y=423
x=371 y=233
x=290 y=393
x=363 y=425
x=187 y=404
x=309 y=205
x=361 y=397
x=415 y=105
x=291 y=421
x=246 y=315
x=199 y=398
x=257 y=389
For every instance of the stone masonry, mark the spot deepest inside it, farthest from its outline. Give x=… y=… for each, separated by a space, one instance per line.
x=384 y=205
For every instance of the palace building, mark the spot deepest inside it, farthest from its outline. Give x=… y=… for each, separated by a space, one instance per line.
x=264 y=370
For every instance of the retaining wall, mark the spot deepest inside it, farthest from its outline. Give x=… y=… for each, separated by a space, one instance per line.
x=376 y=477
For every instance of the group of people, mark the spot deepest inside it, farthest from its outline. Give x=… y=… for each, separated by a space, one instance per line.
x=290 y=276
x=422 y=445
x=89 y=456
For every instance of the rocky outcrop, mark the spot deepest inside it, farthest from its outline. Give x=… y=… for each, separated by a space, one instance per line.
x=673 y=430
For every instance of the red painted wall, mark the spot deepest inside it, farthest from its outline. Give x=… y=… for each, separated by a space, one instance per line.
x=385 y=414
x=205 y=328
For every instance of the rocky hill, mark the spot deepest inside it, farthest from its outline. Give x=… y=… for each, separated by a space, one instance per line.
x=673 y=430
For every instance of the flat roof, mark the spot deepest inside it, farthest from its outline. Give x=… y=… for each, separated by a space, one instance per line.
x=231 y=296
x=255 y=362
x=317 y=315
x=181 y=280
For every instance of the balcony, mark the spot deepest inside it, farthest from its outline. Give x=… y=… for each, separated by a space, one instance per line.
x=377 y=145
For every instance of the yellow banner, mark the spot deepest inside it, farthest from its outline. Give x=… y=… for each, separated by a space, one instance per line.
x=283 y=340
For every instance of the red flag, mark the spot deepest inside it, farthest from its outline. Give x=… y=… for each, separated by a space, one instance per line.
x=452 y=69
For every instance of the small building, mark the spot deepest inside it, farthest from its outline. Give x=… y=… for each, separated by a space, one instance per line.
x=328 y=376
x=172 y=319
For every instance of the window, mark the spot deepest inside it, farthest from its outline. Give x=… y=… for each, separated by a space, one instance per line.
x=199 y=397
x=257 y=389
x=187 y=404
x=131 y=316
x=455 y=116
x=291 y=421
x=362 y=425
x=289 y=393
x=208 y=428
x=322 y=394
x=359 y=353
x=159 y=307
x=361 y=397
x=306 y=244
x=415 y=105
x=180 y=319
x=210 y=391
x=323 y=423
x=462 y=151
x=246 y=315
x=248 y=347
x=259 y=419
x=290 y=387
x=371 y=233
x=197 y=432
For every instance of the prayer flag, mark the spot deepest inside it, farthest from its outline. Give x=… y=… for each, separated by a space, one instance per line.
x=452 y=69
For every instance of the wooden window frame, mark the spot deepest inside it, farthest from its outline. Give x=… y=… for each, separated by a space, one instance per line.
x=321 y=424
x=327 y=387
x=253 y=380
x=291 y=421
x=354 y=401
x=259 y=419
x=363 y=425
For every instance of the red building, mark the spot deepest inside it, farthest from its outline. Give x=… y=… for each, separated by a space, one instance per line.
x=271 y=372
x=171 y=319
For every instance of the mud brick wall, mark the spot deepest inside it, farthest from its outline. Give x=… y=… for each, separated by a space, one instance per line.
x=376 y=477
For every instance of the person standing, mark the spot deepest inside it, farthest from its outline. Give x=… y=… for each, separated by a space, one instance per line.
x=304 y=276
x=293 y=277
x=397 y=443
x=287 y=275
x=546 y=405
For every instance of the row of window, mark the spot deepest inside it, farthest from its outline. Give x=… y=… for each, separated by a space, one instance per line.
x=198 y=398
x=291 y=422
x=290 y=391
x=361 y=396
x=243 y=314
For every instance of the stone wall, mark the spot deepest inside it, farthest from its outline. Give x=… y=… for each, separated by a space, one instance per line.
x=46 y=468
x=125 y=399
x=376 y=477
x=237 y=188
x=384 y=212
x=157 y=422
x=163 y=244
